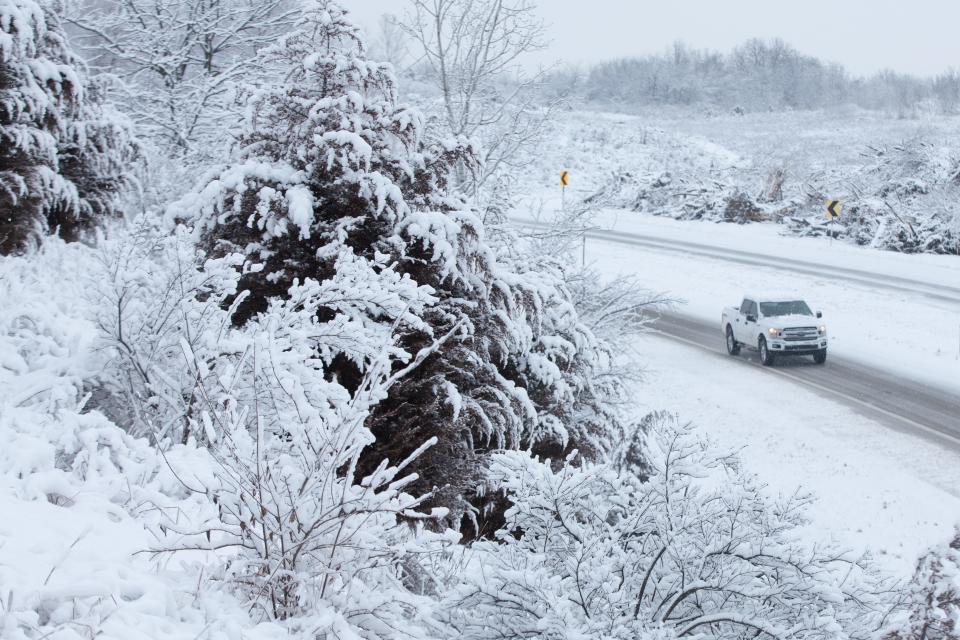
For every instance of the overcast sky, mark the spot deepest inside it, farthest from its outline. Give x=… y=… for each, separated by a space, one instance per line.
x=912 y=36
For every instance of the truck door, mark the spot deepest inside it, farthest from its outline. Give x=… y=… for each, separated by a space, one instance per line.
x=747 y=321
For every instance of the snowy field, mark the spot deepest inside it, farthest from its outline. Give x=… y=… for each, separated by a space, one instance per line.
x=591 y=145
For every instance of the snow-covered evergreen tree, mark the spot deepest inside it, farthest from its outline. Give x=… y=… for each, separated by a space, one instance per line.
x=331 y=161
x=64 y=154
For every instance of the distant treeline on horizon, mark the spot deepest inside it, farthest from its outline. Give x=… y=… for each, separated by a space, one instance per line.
x=757 y=75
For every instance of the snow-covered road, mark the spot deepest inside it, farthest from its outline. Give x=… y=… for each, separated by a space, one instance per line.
x=877 y=280
x=894 y=312
x=891 y=400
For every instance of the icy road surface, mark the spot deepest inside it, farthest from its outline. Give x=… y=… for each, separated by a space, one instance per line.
x=887 y=398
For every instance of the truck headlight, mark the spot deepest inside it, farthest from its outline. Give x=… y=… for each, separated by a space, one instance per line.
x=773 y=332
x=823 y=329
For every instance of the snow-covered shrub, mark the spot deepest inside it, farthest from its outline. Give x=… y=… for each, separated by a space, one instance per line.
x=81 y=498
x=903 y=198
x=698 y=550
x=932 y=609
x=279 y=492
x=64 y=153
x=155 y=297
x=685 y=195
x=330 y=160
x=250 y=468
x=677 y=194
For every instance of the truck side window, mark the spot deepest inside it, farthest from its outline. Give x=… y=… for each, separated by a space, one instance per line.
x=749 y=308
x=744 y=306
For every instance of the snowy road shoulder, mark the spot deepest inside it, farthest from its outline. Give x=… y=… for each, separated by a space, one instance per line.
x=877 y=489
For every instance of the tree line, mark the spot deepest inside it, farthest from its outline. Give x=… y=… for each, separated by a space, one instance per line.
x=758 y=75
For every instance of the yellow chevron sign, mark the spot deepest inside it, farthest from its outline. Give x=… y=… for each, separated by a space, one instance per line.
x=833 y=209
x=564 y=178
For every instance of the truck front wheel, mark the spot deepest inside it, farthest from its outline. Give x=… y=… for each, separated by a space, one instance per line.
x=820 y=356
x=766 y=357
x=733 y=347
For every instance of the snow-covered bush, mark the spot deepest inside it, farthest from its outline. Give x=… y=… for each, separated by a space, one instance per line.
x=903 y=198
x=315 y=539
x=280 y=488
x=249 y=471
x=155 y=298
x=932 y=609
x=699 y=550
x=81 y=498
x=65 y=155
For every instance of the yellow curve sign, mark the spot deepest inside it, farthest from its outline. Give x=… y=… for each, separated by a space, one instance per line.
x=833 y=209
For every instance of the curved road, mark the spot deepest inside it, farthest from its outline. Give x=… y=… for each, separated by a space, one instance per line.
x=892 y=400
x=883 y=281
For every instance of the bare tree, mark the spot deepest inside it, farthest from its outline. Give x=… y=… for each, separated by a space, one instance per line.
x=390 y=42
x=177 y=61
x=473 y=50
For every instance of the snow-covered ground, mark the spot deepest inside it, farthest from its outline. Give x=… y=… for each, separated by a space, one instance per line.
x=592 y=145
x=877 y=489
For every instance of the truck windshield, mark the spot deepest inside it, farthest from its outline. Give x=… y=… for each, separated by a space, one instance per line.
x=789 y=308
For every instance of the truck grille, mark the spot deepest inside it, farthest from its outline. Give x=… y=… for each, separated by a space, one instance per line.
x=796 y=334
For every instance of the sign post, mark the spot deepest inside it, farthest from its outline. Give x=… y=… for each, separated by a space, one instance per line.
x=833 y=214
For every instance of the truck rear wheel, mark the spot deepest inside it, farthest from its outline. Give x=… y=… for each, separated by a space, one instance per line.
x=733 y=347
x=820 y=356
x=766 y=357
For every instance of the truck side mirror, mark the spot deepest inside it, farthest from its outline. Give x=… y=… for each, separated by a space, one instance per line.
x=751 y=317
x=819 y=314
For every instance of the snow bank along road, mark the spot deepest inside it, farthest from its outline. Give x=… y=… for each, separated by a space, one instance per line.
x=894 y=320
x=937 y=291
x=884 y=281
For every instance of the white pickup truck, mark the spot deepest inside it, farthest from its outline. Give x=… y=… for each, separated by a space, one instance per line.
x=775 y=326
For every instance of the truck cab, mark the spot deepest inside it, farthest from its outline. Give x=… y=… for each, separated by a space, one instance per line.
x=775 y=326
